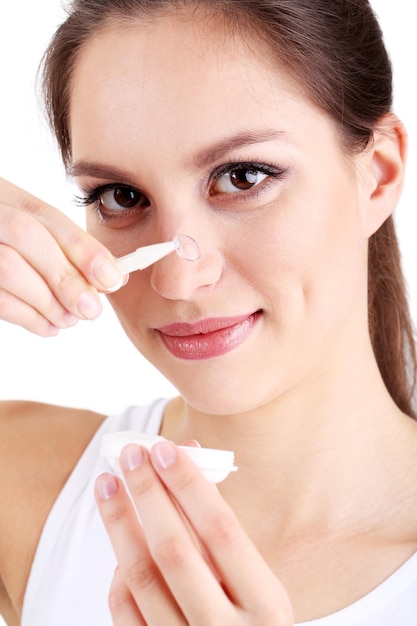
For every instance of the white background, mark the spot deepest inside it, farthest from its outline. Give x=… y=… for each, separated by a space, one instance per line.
x=93 y=365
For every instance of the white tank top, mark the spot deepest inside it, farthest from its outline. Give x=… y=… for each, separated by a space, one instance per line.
x=74 y=561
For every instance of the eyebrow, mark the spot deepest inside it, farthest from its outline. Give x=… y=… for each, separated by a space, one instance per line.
x=200 y=160
x=240 y=140
x=98 y=170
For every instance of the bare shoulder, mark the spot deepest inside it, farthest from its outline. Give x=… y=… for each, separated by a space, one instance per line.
x=36 y=439
x=28 y=423
x=39 y=446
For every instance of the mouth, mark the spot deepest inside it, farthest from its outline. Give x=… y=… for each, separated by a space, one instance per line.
x=208 y=338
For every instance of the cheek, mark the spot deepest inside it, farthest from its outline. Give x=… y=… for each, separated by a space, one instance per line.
x=119 y=240
x=307 y=252
x=280 y=248
x=130 y=306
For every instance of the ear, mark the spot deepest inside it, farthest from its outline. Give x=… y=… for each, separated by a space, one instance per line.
x=386 y=169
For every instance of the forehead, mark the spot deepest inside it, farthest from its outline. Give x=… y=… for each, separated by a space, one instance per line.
x=176 y=40
x=168 y=54
x=173 y=82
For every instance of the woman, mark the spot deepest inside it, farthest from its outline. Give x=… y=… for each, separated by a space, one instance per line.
x=265 y=132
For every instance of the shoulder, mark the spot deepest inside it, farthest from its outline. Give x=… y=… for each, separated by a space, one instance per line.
x=39 y=446
x=36 y=438
x=23 y=420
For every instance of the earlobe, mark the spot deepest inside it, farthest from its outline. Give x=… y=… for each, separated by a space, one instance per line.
x=387 y=166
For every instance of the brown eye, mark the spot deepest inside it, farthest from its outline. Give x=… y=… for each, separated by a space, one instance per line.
x=239 y=179
x=122 y=198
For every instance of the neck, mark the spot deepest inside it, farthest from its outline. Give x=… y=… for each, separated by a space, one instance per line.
x=303 y=449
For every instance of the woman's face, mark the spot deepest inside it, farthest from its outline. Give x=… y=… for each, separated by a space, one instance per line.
x=179 y=128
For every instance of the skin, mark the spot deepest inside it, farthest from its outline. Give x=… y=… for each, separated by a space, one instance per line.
x=310 y=228
x=302 y=386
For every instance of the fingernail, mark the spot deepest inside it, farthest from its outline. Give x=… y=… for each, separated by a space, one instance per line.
x=89 y=306
x=53 y=331
x=131 y=458
x=70 y=319
x=122 y=282
x=107 y=273
x=192 y=443
x=107 y=486
x=67 y=320
x=164 y=454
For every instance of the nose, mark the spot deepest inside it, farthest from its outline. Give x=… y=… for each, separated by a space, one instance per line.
x=177 y=278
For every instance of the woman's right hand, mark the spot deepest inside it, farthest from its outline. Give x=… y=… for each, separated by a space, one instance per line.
x=51 y=271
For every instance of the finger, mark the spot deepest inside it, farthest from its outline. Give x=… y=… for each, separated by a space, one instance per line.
x=34 y=243
x=253 y=587
x=19 y=313
x=192 y=443
x=21 y=281
x=188 y=575
x=136 y=564
x=123 y=608
x=82 y=250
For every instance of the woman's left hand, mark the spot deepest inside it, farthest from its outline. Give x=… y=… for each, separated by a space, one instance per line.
x=188 y=562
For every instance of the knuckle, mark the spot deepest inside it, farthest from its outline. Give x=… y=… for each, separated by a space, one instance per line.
x=34 y=206
x=78 y=242
x=115 y=515
x=139 y=483
x=118 y=599
x=140 y=574
x=18 y=227
x=68 y=287
x=221 y=529
x=84 y=249
x=182 y=480
x=171 y=554
x=66 y=282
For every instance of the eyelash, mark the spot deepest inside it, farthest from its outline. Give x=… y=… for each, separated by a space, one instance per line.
x=91 y=197
x=272 y=171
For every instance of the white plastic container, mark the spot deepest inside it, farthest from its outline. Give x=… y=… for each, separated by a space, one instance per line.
x=214 y=464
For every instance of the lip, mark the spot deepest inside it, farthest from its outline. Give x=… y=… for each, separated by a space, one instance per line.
x=207 y=338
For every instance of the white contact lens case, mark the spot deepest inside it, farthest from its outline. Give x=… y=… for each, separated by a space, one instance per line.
x=214 y=464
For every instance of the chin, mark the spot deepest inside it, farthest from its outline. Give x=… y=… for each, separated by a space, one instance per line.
x=212 y=396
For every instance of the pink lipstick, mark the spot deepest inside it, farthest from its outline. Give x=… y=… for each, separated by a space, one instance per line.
x=207 y=338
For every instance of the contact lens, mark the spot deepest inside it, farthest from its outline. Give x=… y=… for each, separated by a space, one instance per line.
x=188 y=248
x=185 y=246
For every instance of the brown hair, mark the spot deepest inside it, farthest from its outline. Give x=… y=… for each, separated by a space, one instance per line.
x=335 y=51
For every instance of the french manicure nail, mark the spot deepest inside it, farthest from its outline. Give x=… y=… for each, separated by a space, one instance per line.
x=70 y=319
x=192 y=443
x=53 y=331
x=131 y=458
x=118 y=286
x=164 y=454
x=106 y=486
x=107 y=274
